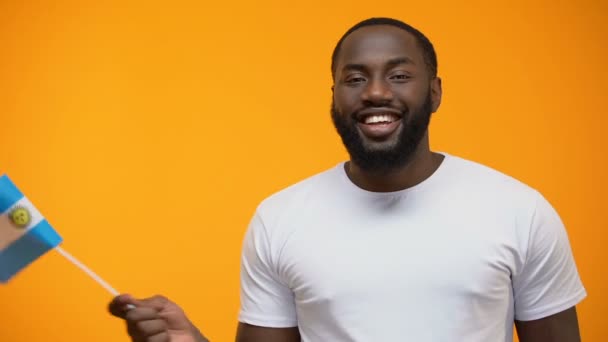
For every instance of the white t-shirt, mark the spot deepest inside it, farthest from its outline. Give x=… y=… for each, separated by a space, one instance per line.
x=457 y=257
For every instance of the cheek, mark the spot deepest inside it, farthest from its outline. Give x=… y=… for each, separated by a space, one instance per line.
x=345 y=101
x=413 y=96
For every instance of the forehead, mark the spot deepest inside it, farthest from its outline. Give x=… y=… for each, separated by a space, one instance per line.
x=378 y=43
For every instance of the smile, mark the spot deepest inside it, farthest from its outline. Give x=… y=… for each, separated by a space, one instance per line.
x=380 y=119
x=379 y=127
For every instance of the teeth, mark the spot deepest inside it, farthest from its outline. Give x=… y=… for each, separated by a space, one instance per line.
x=381 y=118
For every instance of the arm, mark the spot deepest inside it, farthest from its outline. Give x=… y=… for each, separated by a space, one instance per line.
x=547 y=287
x=251 y=333
x=561 y=327
x=268 y=308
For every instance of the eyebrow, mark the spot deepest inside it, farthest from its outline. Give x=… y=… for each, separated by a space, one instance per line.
x=400 y=60
x=391 y=63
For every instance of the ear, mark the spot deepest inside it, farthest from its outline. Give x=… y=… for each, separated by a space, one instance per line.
x=436 y=93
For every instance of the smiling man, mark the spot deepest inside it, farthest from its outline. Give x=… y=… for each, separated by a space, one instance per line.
x=400 y=243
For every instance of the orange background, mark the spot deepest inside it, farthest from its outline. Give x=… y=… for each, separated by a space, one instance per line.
x=147 y=133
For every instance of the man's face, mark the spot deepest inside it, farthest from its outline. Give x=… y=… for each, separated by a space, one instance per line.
x=383 y=97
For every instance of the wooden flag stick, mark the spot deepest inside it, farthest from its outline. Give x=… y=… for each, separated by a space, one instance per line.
x=88 y=271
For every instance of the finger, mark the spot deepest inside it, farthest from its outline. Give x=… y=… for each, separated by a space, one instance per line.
x=141 y=314
x=118 y=306
x=145 y=329
x=158 y=302
x=136 y=317
x=162 y=337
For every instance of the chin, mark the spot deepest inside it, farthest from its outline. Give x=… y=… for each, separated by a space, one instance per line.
x=379 y=145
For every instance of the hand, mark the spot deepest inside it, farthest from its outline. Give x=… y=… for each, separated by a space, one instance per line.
x=155 y=319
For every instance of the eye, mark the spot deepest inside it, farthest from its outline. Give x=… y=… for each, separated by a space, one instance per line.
x=400 y=77
x=354 y=79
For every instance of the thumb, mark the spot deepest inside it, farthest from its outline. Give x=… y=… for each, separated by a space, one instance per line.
x=121 y=304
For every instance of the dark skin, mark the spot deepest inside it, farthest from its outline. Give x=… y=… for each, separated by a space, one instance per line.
x=561 y=327
x=380 y=66
x=368 y=75
x=155 y=319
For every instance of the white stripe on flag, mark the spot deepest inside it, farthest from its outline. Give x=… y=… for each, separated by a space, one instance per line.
x=9 y=231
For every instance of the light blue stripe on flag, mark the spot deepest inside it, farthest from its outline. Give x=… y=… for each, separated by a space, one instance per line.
x=9 y=194
x=25 y=235
x=37 y=241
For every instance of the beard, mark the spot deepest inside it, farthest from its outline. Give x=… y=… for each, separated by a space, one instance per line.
x=385 y=159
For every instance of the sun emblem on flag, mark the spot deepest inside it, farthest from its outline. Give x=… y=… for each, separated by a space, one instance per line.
x=20 y=217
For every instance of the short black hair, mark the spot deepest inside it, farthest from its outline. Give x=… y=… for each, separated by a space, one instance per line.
x=428 y=51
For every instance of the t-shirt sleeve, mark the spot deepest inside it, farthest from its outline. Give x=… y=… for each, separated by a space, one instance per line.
x=265 y=300
x=549 y=281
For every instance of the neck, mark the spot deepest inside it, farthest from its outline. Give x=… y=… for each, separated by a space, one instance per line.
x=422 y=165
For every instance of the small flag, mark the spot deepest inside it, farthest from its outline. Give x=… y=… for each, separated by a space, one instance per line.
x=25 y=235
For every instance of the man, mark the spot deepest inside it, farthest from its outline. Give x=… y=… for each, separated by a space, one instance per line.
x=400 y=243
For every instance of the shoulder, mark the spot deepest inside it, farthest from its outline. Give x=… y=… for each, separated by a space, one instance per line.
x=294 y=199
x=281 y=214
x=488 y=182
x=489 y=194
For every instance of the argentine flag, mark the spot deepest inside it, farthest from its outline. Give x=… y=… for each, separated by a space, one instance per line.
x=25 y=235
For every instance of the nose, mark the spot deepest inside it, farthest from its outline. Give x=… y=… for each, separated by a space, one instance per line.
x=377 y=91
